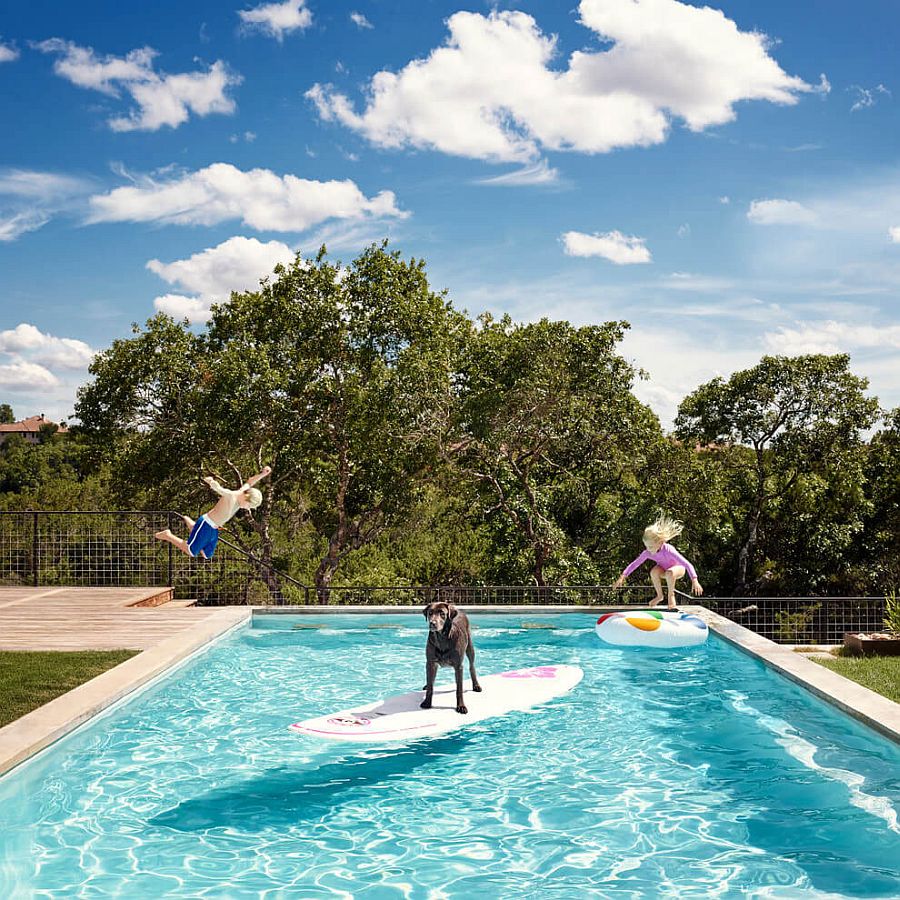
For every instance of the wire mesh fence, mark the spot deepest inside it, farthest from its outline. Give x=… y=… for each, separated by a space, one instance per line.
x=802 y=620
x=483 y=595
x=118 y=549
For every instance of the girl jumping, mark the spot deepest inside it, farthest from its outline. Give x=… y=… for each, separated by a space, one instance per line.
x=670 y=564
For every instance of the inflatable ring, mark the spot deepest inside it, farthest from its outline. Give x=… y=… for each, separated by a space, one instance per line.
x=643 y=628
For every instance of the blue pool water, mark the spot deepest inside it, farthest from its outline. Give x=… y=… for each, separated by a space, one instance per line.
x=663 y=774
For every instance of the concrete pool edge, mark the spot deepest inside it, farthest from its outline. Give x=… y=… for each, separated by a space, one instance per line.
x=22 y=739
x=866 y=706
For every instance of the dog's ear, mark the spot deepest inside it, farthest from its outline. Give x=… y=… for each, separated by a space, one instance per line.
x=426 y=611
x=452 y=611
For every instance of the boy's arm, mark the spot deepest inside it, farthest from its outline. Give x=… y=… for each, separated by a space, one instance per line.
x=215 y=486
x=267 y=470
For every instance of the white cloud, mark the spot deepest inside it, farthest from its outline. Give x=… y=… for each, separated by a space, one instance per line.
x=490 y=93
x=804 y=148
x=678 y=367
x=19 y=376
x=8 y=53
x=237 y=264
x=31 y=198
x=36 y=185
x=194 y=309
x=259 y=198
x=894 y=234
x=42 y=370
x=613 y=245
x=162 y=100
x=60 y=353
x=687 y=281
x=866 y=97
x=538 y=173
x=832 y=337
x=360 y=21
x=277 y=19
x=17 y=224
x=724 y=200
x=780 y=212
x=684 y=230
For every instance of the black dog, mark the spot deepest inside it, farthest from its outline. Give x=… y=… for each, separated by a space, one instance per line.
x=448 y=642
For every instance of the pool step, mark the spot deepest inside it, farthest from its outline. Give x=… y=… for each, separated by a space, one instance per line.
x=154 y=597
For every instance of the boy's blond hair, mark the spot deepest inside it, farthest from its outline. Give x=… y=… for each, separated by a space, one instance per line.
x=663 y=530
x=254 y=497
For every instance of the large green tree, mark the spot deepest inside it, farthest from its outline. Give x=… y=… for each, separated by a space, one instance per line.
x=785 y=424
x=547 y=428
x=878 y=561
x=339 y=377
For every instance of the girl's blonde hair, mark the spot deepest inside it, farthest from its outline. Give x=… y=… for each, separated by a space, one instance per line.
x=663 y=530
x=254 y=497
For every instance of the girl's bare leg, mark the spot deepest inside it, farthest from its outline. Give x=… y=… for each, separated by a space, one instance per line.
x=672 y=575
x=172 y=539
x=656 y=574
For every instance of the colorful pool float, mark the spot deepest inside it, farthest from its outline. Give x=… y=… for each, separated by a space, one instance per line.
x=649 y=628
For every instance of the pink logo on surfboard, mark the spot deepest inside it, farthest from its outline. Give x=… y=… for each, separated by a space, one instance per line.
x=349 y=721
x=536 y=672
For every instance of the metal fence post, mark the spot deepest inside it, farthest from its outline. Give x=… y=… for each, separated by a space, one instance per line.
x=170 y=583
x=35 y=552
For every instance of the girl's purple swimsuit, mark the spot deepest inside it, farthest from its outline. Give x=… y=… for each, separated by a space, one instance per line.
x=666 y=557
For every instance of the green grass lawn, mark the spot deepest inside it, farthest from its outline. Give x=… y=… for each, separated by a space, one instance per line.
x=878 y=673
x=28 y=680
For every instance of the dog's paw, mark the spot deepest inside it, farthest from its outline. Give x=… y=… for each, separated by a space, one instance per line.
x=462 y=709
x=476 y=688
x=425 y=704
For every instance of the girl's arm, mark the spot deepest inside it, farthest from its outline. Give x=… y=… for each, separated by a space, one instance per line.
x=631 y=567
x=692 y=572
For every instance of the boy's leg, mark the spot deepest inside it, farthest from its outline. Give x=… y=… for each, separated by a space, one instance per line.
x=170 y=538
x=189 y=522
x=656 y=574
x=672 y=575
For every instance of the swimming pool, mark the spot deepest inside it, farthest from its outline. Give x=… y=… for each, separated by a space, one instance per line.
x=694 y=773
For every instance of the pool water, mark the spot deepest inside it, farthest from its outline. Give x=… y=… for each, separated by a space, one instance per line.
x=693 y=773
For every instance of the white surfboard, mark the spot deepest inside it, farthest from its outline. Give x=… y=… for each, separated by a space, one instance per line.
x=401 y=718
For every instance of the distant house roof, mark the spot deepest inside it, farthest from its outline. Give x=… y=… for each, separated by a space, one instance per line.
x=31 y=425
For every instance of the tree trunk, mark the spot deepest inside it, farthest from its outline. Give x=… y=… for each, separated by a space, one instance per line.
x=269 y=575
x=540 y=558
x=745 y=554
x=324 y=574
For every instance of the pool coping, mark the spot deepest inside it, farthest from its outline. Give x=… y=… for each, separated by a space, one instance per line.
x=861 y=703
x=27 y=736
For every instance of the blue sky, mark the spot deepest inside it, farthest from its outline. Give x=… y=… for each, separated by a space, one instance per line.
x=725 y=178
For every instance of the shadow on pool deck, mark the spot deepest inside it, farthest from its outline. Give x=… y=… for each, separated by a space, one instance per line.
x=284 y=796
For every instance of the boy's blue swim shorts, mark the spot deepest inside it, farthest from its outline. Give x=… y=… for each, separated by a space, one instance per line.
x=204 y=537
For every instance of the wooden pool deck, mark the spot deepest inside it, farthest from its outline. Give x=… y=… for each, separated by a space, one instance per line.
x=92 y=618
